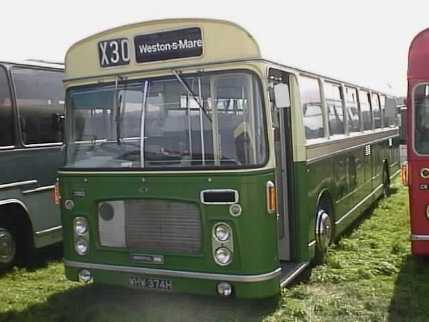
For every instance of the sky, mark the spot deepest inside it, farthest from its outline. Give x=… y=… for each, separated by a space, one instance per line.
x=365 y=42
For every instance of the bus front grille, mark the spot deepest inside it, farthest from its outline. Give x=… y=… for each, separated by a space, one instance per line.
x=162 y=226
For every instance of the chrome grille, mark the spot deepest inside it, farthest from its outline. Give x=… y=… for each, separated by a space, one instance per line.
x=164 y=226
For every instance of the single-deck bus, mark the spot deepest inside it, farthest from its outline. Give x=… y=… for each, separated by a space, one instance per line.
x=31 y=151
x=195 y=165
x=418 y=142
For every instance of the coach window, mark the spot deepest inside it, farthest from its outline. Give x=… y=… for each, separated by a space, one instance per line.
x=365 y=108
x=389 y=111
x=352 y=109
x=375 y=103
x=384 y=117
x=40 y=101
x=6 y=113
x=312 y=107
x=334 y=104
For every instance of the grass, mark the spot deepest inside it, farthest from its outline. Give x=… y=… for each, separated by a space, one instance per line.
x=370 y=276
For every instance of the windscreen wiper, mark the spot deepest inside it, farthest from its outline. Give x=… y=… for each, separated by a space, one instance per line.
x=192 y=94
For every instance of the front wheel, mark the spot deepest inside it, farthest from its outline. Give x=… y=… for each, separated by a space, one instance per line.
x=7 y=249
x=324 y=232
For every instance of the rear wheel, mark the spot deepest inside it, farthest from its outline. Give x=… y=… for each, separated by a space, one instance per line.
x=324 y=232
x=7 y=249
x=386 y=182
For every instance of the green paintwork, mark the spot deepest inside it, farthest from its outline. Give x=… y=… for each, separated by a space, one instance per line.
x=345 y=181
x=255 y=232
x=255 y=245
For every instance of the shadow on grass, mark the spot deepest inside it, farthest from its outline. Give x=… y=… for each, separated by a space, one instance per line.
x=40 y=259
x=101 y=303
x=410 y=300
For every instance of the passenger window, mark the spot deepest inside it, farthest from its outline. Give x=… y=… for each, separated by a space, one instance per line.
x=40 y=101
x=389 y=112
x=375 y=103
x=352 y=109
x=334 y=104
x=365 y=108
x=6 y=113
x=383 y=110
x=312 y=107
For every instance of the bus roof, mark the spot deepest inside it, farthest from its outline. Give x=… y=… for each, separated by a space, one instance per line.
x=221 y=41
x=418 y=56
x=34 y=63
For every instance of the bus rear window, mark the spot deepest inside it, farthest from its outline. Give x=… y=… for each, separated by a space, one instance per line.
x=421 y=119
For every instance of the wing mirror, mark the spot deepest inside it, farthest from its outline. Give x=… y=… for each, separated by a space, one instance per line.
x=281 y=95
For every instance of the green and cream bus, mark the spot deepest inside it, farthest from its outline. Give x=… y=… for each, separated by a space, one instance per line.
x=195 y=165
x=31 y=151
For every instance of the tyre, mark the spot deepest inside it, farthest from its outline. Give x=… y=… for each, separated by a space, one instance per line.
x=324 y=232
x=386 y=182
x=7 y=249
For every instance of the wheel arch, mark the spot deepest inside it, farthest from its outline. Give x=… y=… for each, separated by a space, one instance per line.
x=324 y=194
x=15 y=212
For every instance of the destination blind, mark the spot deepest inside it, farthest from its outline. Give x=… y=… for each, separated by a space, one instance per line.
x=182 y=43
x=166 y=45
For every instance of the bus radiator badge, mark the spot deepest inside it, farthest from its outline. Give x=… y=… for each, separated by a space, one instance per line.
x=147 y=259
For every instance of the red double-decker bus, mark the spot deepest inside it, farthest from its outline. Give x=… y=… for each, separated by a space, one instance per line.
x=418 y=142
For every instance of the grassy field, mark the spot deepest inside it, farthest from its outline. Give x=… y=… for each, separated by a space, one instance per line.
x=370 y=276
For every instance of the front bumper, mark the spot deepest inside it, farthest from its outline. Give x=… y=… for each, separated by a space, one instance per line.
x=244 y=286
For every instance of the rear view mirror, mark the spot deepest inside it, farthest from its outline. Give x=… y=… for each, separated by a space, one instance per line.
x=281 y=95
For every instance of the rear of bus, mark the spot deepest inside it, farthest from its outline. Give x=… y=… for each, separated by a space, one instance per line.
x=418 y=142
x=168 y=170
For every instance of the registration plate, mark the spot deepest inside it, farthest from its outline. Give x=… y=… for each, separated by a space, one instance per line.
x=150 y=283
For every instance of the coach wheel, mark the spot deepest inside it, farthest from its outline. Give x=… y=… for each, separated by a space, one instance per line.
x=7 y=248
x=324 y=233
x=386 y=183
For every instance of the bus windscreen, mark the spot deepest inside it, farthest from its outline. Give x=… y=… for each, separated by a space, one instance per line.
x=192 y=121
x=421 y=117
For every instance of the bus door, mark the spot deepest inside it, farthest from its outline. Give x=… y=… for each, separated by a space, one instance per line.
x=283 y=150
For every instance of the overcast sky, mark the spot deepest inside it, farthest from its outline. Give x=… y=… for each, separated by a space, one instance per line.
x=359 y=41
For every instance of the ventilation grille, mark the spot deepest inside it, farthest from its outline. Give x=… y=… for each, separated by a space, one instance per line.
x=162 y=226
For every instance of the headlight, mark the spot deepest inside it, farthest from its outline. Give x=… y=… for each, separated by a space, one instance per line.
x=223 y=256
x=80 y=226
x=81 y=246
x=222 y=232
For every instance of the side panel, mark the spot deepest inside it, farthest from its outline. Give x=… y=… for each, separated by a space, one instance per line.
x=353 y=180
x=419 y=201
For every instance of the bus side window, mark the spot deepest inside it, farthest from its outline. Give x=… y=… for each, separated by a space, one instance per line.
x=311 y=107
x=375 y=103
x=389 y=111
x=352 y=108
x=334 y=104
x=40 y=102
x=365 y=108
x=6 y=114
